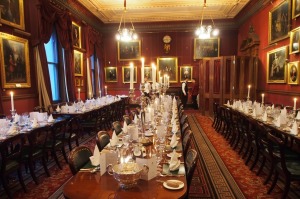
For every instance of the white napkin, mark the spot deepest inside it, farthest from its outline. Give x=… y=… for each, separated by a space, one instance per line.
x=83 y=109
x=95 y=158
x=272 y=106
x=254 y=113
x=50 y=119
x=174 y=141
x=17 y=118
x=228 y=103
x=135 y=119
x=34 y=123
x=265 y=117
x=174 y=162
x=174 y=128
x=58 y=109
x=12 y=130
x=114 y=139
x=125 y=129
x=294 y=129
x=278 y=121
x=298 y=115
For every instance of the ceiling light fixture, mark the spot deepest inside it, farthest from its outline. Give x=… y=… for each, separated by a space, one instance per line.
x=205 y=31
x=125 y=34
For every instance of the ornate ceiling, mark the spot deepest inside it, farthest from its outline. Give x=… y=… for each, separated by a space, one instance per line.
x=110 y=11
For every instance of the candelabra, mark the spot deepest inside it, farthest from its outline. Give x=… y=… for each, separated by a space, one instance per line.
x=131 y=95
x=13 y=113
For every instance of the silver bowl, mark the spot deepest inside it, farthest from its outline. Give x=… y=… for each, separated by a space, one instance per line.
x=127 y=174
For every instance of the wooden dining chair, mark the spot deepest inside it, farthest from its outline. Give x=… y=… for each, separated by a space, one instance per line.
x=74 y=131
x=186 y=141
x=184 y=129
x=11 y=151
x=102 y=139
x=117 y=127
x=127 y=119
x=79 y=158
x=39 y=109
x=191 y=159
x=215 y=113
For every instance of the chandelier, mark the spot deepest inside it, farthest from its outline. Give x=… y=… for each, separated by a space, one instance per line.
x=205 y=31
x=124 y=33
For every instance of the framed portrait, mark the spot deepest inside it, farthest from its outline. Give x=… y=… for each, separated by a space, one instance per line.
x=126 y=74
x=168 y=66
x=279 y=22
x=206 y=48
x=77 y=82
x=111 y=74
x=129 y=50
x=276 y=65
x=294 y=40
x=148 y=73
x=295 y=9
x=15 y=66
x=76 y=35
x=12 y=13
x=78 y=63
x=293 y=70
x=186 y=72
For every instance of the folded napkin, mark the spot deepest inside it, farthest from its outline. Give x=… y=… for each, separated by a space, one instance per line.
x=58 y=109
x=298 y=115
x=265 y=116
x=174 y=141
x=174 y=163
x=95 y=158
x=294 y=129
x=83 y=109
x=254 y=113
x=12 y=130
x=174 y=127
x=272 y=106
x=34 y=123
x=125 y=128
x=114 y=139
x=228 y=103
x=17 y=118
x=50 y=118
x=135 y=119
x=278 y=121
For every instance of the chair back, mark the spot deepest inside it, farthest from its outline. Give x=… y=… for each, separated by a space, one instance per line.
x=78 y=157
x=191 y=159
x=58 y=131
x=127 y=119
x=117 y=127
x=74 y=127
x=37 y=140
x=102 y=139
x=184 y=128
x=186 y=141
x=183 y=120
x=39 y=109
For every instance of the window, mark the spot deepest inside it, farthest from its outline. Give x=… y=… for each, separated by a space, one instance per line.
x=52 y=58
x=92 y=59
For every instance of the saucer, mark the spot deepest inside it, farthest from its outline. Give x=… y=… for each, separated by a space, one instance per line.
x=169 y=184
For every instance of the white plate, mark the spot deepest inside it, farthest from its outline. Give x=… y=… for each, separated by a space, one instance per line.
x=181 y=185
x=170 y=154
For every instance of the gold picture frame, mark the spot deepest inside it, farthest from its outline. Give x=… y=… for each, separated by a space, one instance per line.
x=206 y=48
x=76 y=35
x=78 y=63
x=126 y=74
x=293 y=73
x=15 y=66
x=294 y=40
x=279 y=22
x=111 y=74
x=186 y=72
x=15 y=15
x=169 y=66
x=148 y=73
x=295 y=9
x=276 y=65
x=129 y=50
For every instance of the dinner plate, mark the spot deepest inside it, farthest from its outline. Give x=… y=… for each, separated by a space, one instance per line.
x=180 y=183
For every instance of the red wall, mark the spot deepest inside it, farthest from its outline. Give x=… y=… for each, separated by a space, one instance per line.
x=274 y=92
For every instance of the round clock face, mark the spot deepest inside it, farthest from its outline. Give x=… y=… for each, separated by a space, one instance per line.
x=167 y=39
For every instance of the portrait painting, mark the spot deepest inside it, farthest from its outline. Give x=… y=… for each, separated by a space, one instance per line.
x=148 y=73
x=111 y=74
x=206 y=48
x=12 y=13
x=294 y=41
x=295 y=9
x=279 y=22
x=293 y=70
x=186 y=72
x=126 y=74
x=78 y=63
x=276 y=65
x=129 y=50
x=76 y=35
x=77 y=82
x=168 y=66
x=15 y=66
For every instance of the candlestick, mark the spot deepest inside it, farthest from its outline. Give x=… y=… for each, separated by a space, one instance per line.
x=262 y=98
x=249 y=86
x=79 y=94
x=12 y=101
x=131 y=75
x=295 y=100
x=105 y=90
x=142 y=72
x=100 y=93
x=90 y=95
x=153 y=74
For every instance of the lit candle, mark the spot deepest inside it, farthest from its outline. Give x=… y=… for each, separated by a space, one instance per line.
x=131 y=76
x=153 y=75
x=79 y=94
x=249 y=86
x=142 y=72
x=105 y=90
x=12 y=101
x=168 y=81
x=90 y=95
x=262 y=98
x=295 y=100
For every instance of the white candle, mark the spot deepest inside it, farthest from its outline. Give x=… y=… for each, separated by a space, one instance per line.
x=142 y=72
x=131 y=75
x=79 y=94
x=168 y=81
x=153 y=74
x=262 y=98
x=100 y=93
x=160 y=80
x=12 y=101
x=249 y=86
x=105 y=90
x=159 y=76
x=295 y=100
